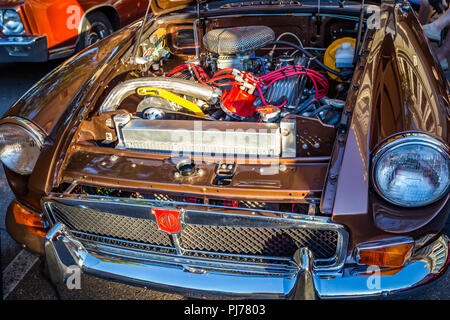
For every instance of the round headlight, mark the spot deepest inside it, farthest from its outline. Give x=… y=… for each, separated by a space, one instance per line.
x=19 y=148
x=412 y=170
x=12 y=24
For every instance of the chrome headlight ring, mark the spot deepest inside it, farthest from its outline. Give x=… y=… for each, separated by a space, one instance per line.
x=21 y=142
x=401 y=192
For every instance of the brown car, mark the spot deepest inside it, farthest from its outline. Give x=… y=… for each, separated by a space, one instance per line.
x=240 y=149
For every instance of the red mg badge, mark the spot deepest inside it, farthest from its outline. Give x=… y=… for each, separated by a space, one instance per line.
x=168 y=220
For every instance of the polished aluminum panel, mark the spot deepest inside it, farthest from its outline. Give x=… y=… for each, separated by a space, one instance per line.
x=184 y=137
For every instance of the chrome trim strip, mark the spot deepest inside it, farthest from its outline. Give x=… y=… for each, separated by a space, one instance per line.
x=83 y=18
x=410 y=138
x=35 y=132
x=192 y=262
x=100 y=201
x=198 y=214
x=103 y=244
x=61 y=52
x=27 y=42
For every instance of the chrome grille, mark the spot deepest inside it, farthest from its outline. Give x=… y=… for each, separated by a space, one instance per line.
x=259 y=241
x=110 y=225
x=128 y=223
x=91 y=239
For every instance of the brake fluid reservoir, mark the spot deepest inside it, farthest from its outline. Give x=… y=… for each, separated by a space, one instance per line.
x=344 y=55
x=331 y=55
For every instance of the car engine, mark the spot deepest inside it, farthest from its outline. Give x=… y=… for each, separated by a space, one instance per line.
x=229 y=88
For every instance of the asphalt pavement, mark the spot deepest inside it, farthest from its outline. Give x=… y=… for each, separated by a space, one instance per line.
x=15 y=80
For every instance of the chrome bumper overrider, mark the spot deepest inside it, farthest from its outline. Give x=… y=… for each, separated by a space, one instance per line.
x=202 y=277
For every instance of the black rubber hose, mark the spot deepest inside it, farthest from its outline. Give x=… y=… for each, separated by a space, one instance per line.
x=343 y=75
x=319 y=110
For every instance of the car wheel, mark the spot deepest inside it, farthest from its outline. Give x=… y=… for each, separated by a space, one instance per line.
x=96 y=26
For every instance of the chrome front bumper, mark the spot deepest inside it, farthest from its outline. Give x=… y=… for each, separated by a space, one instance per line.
x=23 y=49
x=198 y=277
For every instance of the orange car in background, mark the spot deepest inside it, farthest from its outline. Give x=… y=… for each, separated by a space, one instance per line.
x=40 y=30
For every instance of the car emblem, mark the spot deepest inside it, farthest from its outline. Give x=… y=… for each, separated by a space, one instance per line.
x=168 y=220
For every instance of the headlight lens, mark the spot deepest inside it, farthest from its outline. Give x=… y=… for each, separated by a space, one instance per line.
x=412 y=171
x=19 y=148
x=12 y=24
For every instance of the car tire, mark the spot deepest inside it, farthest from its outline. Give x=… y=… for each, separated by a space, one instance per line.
x=96 y=26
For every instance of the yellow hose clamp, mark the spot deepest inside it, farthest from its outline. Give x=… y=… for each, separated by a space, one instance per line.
x=150 y=91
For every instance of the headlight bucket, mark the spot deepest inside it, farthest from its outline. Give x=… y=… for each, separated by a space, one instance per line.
x=411 y=170
x=20 y=145
x=11 y=23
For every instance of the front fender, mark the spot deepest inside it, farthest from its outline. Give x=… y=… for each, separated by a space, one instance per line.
x=399 y=87
x=56 y=102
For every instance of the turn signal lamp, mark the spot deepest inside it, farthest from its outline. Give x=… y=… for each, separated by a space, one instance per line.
x=29 y=218
x=37 y=231
x=385 y=253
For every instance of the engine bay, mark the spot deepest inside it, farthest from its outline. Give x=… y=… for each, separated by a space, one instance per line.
x=244 y=90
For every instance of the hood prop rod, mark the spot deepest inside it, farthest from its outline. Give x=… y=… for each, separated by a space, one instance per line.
x=358 y=39
x=141 y=30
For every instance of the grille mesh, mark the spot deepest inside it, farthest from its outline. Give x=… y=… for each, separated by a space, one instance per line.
x=110 y=225
x=264 y=242
x=259 y=241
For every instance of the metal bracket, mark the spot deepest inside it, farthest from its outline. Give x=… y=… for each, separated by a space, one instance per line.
x=224 y=173
x=288 y=139
x=121 y=120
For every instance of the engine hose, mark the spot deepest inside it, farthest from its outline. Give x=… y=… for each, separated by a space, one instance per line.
x=179 y=86
x=262 y=62
x=319 y=110
x=313 y=58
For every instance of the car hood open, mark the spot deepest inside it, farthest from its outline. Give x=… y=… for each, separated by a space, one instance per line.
x=165 y=6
